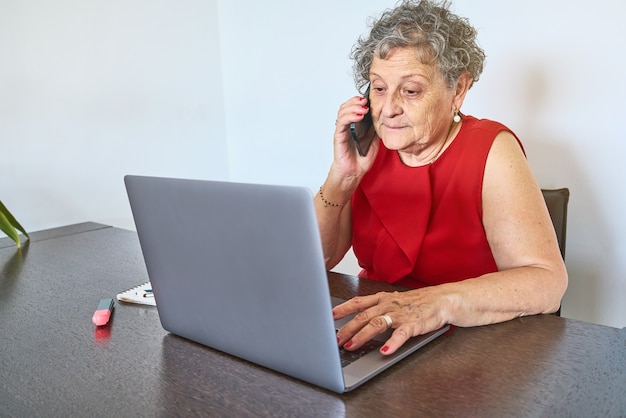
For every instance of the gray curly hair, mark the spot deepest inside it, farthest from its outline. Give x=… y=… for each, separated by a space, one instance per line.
x=439 y=36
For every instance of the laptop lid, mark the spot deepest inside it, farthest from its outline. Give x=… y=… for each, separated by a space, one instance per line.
x=240 y=268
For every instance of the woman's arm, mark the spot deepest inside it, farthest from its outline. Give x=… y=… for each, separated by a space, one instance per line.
x=332 y=204
x=335 y=226
x=521 y=236
x=532 y=277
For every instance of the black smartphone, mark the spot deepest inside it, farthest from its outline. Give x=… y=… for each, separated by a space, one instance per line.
x=362 y=132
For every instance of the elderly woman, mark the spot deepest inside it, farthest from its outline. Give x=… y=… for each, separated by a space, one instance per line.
x=443 y=203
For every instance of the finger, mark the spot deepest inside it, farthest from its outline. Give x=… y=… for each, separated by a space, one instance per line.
x=362 y=333
x=397 y=339
x=354 y=305
x=353 y=110
x=350 y=331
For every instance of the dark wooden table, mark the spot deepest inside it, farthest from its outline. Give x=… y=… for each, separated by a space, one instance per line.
x=54 y=362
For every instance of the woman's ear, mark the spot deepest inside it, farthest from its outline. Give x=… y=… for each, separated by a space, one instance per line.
x=463 y=84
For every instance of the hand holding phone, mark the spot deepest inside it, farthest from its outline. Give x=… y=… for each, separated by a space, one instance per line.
x=363 y=132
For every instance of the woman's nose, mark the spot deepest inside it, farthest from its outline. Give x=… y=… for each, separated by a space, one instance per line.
x=391 y=105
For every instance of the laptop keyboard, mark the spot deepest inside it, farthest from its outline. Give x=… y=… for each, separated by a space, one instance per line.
x=348 y=357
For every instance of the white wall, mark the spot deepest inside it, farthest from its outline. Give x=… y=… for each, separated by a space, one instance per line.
x=92 y=90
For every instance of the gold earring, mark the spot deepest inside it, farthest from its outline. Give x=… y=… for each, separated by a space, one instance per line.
x=457 y=116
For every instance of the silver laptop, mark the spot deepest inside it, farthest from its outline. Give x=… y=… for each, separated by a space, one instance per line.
x=239 y=268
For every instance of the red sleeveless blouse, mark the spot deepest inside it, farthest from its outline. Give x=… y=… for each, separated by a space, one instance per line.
x=422 y=226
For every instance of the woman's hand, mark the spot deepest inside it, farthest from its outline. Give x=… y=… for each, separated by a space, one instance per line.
x=412 y=313
x=348 y=164
x=332 y=203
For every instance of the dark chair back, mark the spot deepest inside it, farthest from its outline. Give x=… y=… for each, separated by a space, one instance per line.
x=557 y=200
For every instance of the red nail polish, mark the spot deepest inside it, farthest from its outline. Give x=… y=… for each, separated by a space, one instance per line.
x=359 y=114
x=348 y=344
x=384 y=349
x=364 y=107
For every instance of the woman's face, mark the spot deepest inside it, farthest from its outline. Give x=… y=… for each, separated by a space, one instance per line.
x=412 y=108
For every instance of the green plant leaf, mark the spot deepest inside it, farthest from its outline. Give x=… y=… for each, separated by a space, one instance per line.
x=9 y=225
x=7 y=228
